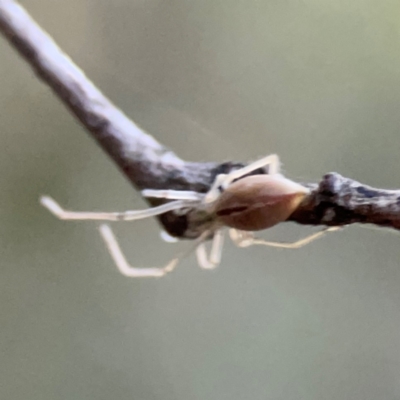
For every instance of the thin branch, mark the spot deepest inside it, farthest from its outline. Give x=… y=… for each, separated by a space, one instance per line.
x=148 y=164
x=337 y=200
x=138 y=154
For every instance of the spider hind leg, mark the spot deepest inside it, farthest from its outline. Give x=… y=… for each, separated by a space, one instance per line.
x=246 y=239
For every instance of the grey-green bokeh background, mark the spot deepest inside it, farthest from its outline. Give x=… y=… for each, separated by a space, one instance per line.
x=316 y=81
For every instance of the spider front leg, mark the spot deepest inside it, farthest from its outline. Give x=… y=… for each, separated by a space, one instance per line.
x=173 y=194
x=60 y=213
x=246 y=239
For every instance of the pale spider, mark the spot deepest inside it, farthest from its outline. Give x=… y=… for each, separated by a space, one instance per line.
x=244 y=205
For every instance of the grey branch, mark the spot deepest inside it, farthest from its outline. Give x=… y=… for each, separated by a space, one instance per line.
x=148 y=164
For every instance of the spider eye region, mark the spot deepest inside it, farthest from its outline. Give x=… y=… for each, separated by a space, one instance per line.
x=258 y=202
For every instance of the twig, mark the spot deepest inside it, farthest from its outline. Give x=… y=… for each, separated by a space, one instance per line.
x=148 y=164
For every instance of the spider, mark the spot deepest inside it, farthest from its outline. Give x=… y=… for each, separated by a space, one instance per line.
x=236 y=201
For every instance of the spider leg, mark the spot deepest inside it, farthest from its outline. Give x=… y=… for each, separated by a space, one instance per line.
x=60 y=213
x=272 y=161
x=173 y=194
x=127 y=270
x=214 y=191
x=123 y=265
x=213 y=260
x=246 y=239
x=166 y=237
x=224 y=180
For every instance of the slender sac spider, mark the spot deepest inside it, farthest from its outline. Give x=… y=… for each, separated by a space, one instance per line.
x=244 y=205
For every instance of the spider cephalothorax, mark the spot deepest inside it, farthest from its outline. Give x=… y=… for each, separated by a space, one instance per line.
x=241 y=203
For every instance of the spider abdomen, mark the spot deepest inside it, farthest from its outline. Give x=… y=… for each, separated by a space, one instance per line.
x=258 y=202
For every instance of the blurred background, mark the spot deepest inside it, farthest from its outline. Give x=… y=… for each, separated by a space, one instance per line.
x=316 y=82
